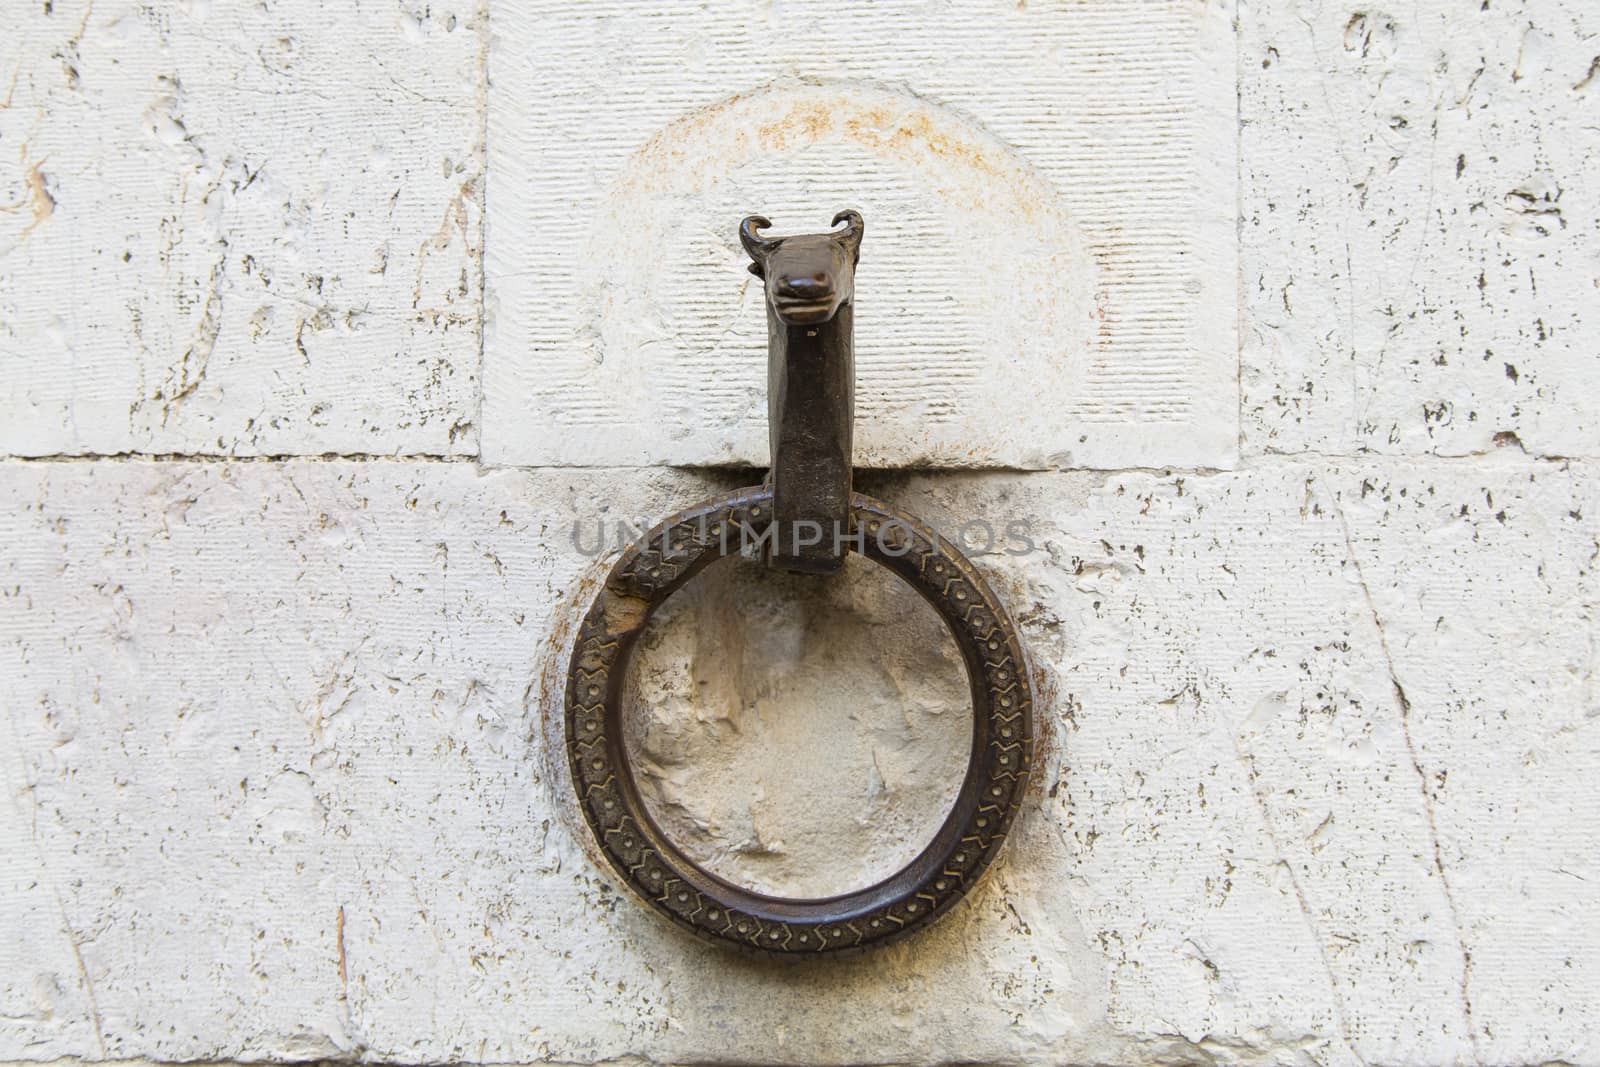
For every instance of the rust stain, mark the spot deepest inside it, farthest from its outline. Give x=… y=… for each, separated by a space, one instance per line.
x=37 y=198
x=456 y=220
x=624 y=612
x=44 y=205
x=548 y=709
x=806 y=121
x=1046 y=698
x=344 y=973
x=918 y=134
x=83 y=27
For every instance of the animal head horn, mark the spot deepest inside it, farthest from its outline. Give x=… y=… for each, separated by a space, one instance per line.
x=753 y=242
x=853 y=230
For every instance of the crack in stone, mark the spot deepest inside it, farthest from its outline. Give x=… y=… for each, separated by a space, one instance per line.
x=73 y=941
x=1403 y=704
x=1247 y=762
x=83 y=973
x=1268 y=461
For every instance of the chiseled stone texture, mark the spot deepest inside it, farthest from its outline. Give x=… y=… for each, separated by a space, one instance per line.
x=1314 y=785
x=240 y=229
x=1419 y=226
x=1048 y=275
x=282 y=757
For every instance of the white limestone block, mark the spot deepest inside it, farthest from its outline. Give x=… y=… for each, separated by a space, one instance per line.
x=284 y=774
x=1048 y=275
x=1420 y=207
x=282 y=758
x=239 y=229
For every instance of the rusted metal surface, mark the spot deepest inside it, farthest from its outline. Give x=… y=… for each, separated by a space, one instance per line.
x=810 y=286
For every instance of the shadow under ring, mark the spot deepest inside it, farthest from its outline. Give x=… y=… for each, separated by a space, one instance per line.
x=967 y=842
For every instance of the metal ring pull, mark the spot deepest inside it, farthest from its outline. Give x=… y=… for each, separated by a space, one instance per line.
x=810 y=289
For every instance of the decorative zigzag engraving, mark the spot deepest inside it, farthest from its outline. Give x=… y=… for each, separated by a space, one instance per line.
x=654 y=869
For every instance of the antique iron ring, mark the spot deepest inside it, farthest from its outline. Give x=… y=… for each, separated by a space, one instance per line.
x=804 y=517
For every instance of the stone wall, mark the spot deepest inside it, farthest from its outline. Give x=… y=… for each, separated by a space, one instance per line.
x=292 y=558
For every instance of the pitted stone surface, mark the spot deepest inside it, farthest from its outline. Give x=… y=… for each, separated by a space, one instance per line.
x=852 y=684
x=240 y=229
x=1419 y=205
x=1315 y=782
x=290 y=720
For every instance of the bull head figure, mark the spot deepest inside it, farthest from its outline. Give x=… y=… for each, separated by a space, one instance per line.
x=810 y=288
x=808 y=276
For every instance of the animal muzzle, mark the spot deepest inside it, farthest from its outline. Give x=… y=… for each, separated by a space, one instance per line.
x=805 y=299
